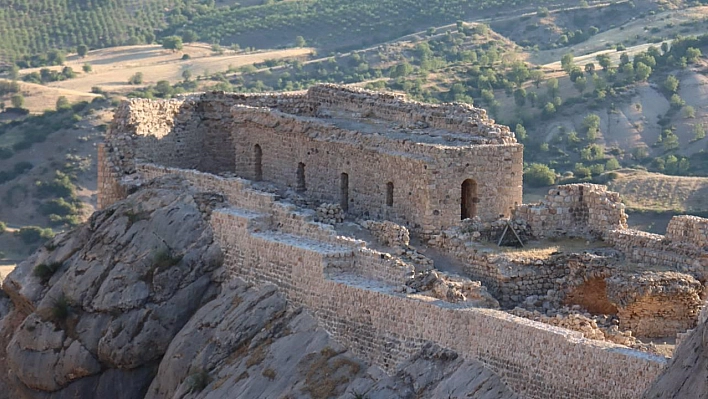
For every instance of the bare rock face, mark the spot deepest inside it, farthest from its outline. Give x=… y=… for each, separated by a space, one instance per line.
x=247 y=343
x=96 y=309
x=686 y=376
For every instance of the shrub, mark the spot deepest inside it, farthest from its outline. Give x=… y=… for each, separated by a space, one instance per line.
x=164 y=258
x=136 y=79
x=197 y=381
x=3 y=227
x=539 y=175
x=32 y=234
x=60 y=309
x=45 y=271
x=612 y=164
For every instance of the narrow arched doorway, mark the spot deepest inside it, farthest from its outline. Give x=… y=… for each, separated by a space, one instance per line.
x=469 y=199
x=258 y=164
x=389 y=194
x=344 y=191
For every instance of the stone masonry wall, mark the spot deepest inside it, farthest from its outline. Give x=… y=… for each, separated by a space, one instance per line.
x=109 y=188
x=575 y=210
x=688 y=229
x=536 y=360
x=456 y=117
x=426 y=181
x=385 y=327
x=684 y=253
x=656 y=304
x=200 y=132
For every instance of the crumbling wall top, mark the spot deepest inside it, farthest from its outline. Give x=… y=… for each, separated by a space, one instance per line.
x=463 y=118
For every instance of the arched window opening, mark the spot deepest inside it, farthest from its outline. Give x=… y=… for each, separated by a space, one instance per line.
x=258 y=165
x=469 y=199
x=344 y=191
x=301 y=186
x=389 y=194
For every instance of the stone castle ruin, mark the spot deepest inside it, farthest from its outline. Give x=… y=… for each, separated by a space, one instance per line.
x=382 y=216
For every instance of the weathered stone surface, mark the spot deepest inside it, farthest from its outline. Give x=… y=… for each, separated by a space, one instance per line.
x=686 y=376
x=248 y=344
x=128 y=281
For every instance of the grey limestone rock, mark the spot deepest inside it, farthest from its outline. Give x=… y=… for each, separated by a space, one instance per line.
x=121 y=287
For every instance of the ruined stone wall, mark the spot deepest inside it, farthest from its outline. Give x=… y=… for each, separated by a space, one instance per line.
x=691 y=230
x=575 y=210
x=682 y=253
x=109 y=188
x=536 y=360
x=511 y=279
x=455 y=117
x=419 y=186
x=656 y=304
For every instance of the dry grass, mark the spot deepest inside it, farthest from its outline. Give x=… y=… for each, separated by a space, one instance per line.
x=259 y=354
x=544 y=249
x=113 y=67
x=39 y=98
x=657 y=192
x=597 y=44
x=324 y=377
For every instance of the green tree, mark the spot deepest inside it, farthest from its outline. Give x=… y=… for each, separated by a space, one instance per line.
x=62 y=103
x=699 y=131
x=14 y=72
x=163 y=89
x=539 y=175
x=17 y=100
x=567 y=62
x=136 y=78
x=189 y=36
x=590 y=68
x=82 y=50
x=581 y=171
x=520 y=131
x=520 y=97
x=641 y=72
x=536 y=75
x=671 y=84
x=689 y=112
x=548 y=110
x=552 y=87
x=87 y=68
x=580 y=84
x=186 y=75
x=676 y=101
x=591 y=125
x=300 y=41
x=692 y=55
x=612 y=164
x=173 y=43
x=604 y=61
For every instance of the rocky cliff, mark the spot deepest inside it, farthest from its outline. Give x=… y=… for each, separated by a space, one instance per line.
x=135 y=304
x=686 y=377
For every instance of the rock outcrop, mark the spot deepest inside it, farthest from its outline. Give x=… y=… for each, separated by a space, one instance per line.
x=686 y=376
x=95 y=309
x=248 y=343
x=135 y=304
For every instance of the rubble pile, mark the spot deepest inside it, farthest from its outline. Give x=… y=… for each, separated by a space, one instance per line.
x=329 y=214
x=451 y=289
